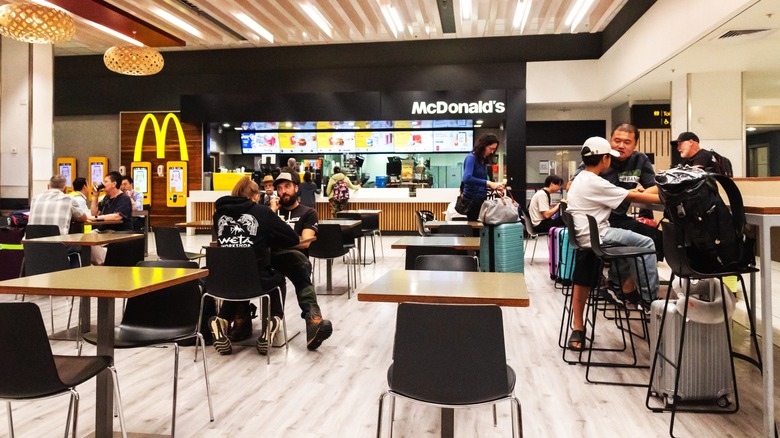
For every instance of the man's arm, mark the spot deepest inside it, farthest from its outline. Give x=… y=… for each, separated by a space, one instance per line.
x=307 y=233
x=643 y=197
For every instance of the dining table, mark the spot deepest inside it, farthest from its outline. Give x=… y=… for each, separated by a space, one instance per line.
x=436 y=224
x=506 y=289
x=85 y=241
x=106 y=283
x=417 y=245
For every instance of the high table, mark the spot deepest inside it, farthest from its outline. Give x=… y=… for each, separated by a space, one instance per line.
x=86 y=241
x=448 y=287
x=765 y=214
x=106 y=283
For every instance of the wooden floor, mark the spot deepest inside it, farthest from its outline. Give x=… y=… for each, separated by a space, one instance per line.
x=333 y=391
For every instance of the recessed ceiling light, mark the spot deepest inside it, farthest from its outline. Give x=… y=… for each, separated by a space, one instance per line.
x=465 y=9
x=750 y=129
x=255 y=26
x=479 y=122
x=318 y=19
x=226 y=125
x=178 y=22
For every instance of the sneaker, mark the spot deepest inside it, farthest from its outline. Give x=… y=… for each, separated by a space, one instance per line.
x=268 y=337
x=218 y=328
x=635 y=299
x=610 y=296
x=317 y=331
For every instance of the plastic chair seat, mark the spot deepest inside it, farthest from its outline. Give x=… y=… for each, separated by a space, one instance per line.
x=511 y=378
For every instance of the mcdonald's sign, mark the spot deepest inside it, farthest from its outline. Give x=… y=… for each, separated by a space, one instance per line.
x=160 y=133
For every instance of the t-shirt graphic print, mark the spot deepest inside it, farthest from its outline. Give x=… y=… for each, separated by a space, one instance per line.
x=237 y=233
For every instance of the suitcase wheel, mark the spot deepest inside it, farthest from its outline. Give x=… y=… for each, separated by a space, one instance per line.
x=723 y=401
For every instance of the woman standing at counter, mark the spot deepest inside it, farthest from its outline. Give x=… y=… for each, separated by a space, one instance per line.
x=475 y=176
x=338 y=190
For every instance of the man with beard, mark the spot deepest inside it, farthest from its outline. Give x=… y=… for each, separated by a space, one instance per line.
x=293 y=263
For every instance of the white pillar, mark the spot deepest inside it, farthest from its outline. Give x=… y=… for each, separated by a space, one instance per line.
x=26 y=118
x=711 y=105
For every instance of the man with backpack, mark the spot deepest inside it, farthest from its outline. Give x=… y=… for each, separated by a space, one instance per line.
x=687 y=145
x=338 y=190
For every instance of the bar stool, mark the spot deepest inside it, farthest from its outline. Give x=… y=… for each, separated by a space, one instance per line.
x=677 y=258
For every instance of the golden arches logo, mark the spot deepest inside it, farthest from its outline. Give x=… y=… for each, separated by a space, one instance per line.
x=160 y=133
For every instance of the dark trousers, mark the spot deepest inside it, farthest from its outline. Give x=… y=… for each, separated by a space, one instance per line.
x=473 y=212
x=296 y=266
x=629 y=223
x=545 y=225
x=269 y=279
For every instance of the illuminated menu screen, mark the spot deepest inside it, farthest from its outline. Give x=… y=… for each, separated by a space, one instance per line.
x=260 y=143
x=413 y=141
x=298 y=142
x=336 y=142
x=376 y=142
x=453 y=141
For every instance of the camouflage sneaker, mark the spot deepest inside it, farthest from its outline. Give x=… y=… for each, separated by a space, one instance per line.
x=317 y=331
x=268 y=337
x=218 y=328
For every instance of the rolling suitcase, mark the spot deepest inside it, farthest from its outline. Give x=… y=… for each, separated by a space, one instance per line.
x=706 y=363
x=552 y=248
x=501 y=248
x=565 y=257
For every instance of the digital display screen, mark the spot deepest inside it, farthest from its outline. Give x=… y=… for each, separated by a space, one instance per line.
x=66 y=171
x=453 y=141
x=260 y=143
x=176 y=179
x=96 y=172
x=413 y=141
x=141 y=179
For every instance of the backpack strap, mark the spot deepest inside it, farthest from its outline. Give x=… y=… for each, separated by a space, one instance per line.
x=735 y=201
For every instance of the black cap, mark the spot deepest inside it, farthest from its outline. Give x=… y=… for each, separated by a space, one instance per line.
x=685 y=136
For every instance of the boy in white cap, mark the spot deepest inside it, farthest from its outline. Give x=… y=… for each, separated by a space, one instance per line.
x=590 y=194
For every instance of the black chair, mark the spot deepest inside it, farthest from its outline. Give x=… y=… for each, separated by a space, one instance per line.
x=328 y=246
x=128 y=253
x=31 y=371
x=448 y=365
x=606 y=256
x=353 y=235
x=167 y=316
x=457 y=230
x=233 y=276
x=413 y=252
x=421 y=217
x=369 y=227
x=438 y=262
x=532 y=235
x=169 y=246
x=675 y=252
x=41 y=258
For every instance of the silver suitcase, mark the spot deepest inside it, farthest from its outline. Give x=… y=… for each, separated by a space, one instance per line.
x=706 y=363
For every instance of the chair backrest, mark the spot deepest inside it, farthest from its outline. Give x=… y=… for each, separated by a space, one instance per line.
x=127 y=253
x=25 y=354
x=528 y=223
x=422 y=216
x=356 y=231
x=441 y=262
x=569 y=221
x=168 y=242
x=460 y=230
x=595 y=240
x=329 y=243
x=449 y=354
x=233 y=273
x=41 y=258
x=173 y=309
x=674 y=250
x=36 y=231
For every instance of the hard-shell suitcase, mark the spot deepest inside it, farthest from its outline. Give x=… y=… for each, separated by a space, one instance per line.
x=565 y=260
x=11 y=254
x=552 y=247
x=706 y=363
x=501 y=248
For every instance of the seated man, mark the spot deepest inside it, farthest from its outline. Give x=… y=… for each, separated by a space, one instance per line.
x=115 y=205
x=239 y=221
x=293 y=263
x=54 y=207
x=544 y=217
x=592 y=195
x=687 y=144
x=129 y=190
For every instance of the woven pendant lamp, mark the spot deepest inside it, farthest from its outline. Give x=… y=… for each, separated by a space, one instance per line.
x=32 y=23
x=133 y=60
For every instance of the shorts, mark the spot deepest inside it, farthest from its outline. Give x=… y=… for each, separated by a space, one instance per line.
x=586 y=269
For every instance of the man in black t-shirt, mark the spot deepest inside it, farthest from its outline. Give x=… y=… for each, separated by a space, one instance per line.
x=687 y=144
x=293 y=263
x=115 y=205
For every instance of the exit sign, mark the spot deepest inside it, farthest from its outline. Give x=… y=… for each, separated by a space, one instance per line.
x=651 y=116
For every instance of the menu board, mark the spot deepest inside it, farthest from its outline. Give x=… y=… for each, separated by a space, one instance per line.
x=260 y=143
x=298 y=142
x=453 y=141
x=260 y=126
x=376 y=141
x=336 y=142
x=413 y=141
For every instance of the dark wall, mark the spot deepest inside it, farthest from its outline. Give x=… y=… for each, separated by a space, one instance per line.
x=772 y=139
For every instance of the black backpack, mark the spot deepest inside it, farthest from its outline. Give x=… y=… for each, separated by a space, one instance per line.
x=724 y=164
x=715 y=238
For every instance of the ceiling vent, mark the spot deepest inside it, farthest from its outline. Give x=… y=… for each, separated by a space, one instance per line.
x=753 y=33
x=213 y=20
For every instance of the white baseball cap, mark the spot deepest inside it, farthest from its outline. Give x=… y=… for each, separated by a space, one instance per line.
x=597 y=146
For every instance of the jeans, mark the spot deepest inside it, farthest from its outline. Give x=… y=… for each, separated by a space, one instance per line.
x=473 y=212
x=629 y=223
x=296 y=266
x=620 y=237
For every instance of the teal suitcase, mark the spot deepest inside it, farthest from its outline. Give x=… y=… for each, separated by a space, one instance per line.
x=501 y=248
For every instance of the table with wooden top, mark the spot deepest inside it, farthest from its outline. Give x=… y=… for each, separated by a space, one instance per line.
x=460 y=243
x=437 y=224
x=86 y=241
x=197 y=224
x=345 y=224
x=764 y=213
x=448 y=287
x=106 y=283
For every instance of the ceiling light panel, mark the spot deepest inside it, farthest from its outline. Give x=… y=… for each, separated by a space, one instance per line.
x=254 y=26
x=318 y=19
x=178 y=22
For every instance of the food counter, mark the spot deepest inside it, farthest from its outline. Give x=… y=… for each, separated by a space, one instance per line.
x=397 y=206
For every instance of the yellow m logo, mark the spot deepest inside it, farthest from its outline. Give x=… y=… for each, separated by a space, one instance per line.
x=160 y=133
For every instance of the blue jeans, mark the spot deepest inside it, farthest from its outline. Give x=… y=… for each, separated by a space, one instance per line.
x=621 y=237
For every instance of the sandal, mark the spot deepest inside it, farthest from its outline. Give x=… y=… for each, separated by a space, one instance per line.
x=577 y=337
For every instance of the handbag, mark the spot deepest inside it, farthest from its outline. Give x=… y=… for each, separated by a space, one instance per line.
x=499 y=208
x=462 y=204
